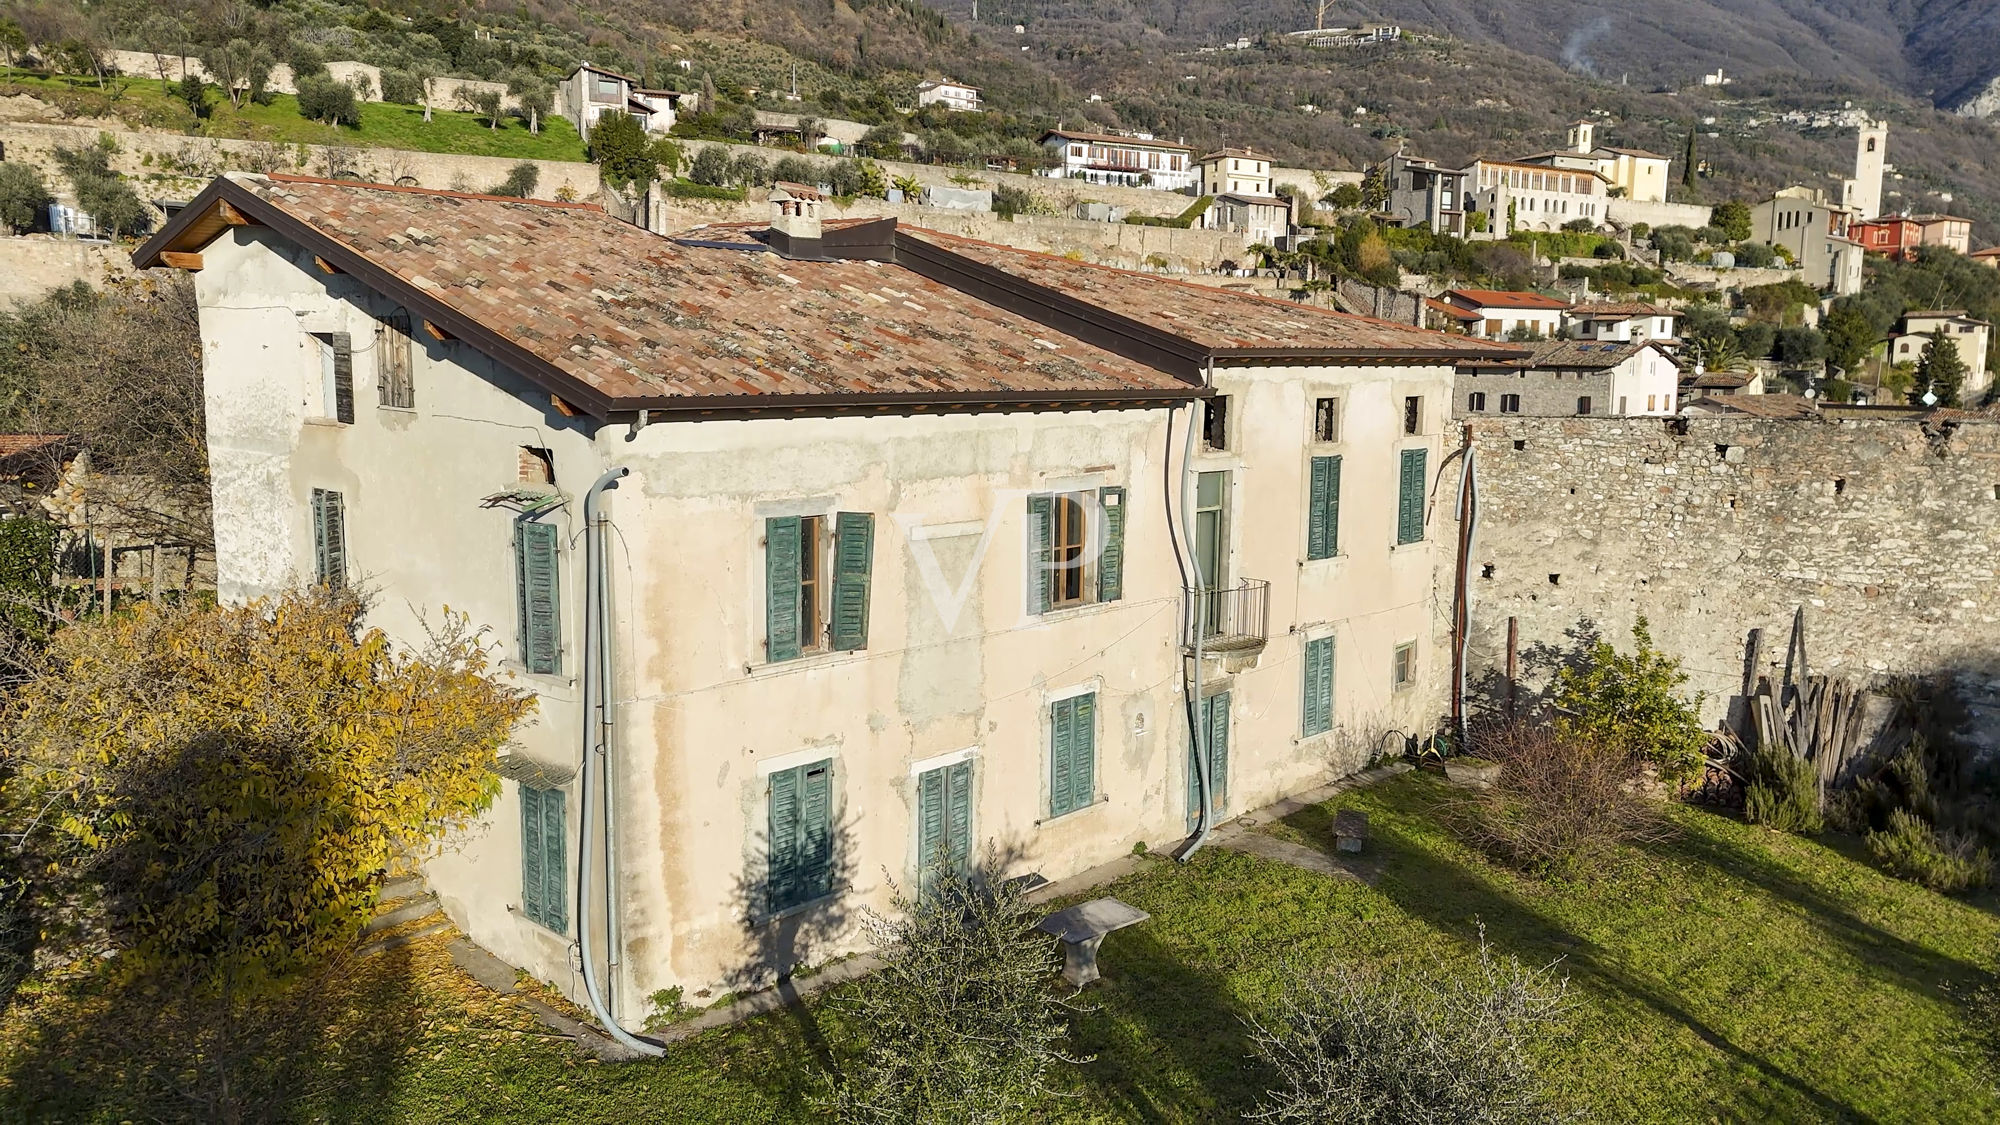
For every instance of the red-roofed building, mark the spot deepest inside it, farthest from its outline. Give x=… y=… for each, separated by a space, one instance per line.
x=1502 y=313
x=840 y=545
x=1136 y=161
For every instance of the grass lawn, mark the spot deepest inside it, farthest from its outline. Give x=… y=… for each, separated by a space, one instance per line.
x=1727 y=975
x=147 y=103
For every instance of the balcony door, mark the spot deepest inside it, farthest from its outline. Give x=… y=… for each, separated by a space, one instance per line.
x=1215 y=721
x=1211 y=542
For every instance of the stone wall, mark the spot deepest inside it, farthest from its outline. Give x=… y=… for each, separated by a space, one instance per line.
x=169 y=166
x=1630 y=211
x=1884 y=531
x=31 y=265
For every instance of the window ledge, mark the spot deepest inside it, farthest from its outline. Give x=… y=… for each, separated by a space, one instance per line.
x=765 y=919
x=1068 y=612
x=1325 y=563
x=410 y=410
x=823 y=659
x=331 y=423
x=1099 y=801
x=540 y=681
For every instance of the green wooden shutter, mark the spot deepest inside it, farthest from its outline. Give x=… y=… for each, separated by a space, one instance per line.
x=931 y=804
x=1323 y=509
x=782 y=628
x=555 y=869
x=1218 y=751
x=1084 y=759
x=329 y=538
x=343 y=377
x=944 y=817
x=532 y=868
x=1040 y=552
x=958 y=811
x=816 y=831
x=1410 y=497
x=853 y=559
x=1111 y=560
x=1072 y=754
x=537 y=588
x=1317 y=691
x=782 y=849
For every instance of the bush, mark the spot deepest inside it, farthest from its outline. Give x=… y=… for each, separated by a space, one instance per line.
x=401 y=87
x=688 y=189
x=333 y=103
x=961 y=1022
x=520 y=182
x=1564 y=802
x=1351 y=1046
x=796 y=170
x=1781 y=791
x=619 y=146
x=750 y=170
x=24 y=197
x=1946 y=862
x=1754 y=255
x=1632 y=702
x=710 y=166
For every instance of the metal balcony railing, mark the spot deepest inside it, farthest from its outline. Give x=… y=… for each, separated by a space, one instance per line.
x=1228 y=619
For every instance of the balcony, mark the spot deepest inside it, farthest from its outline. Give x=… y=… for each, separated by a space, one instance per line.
x=1230 y=620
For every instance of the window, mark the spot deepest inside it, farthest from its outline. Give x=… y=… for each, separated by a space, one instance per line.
x=1476 y=402
x=1413 y=415
x=605 y=90
x=544 y=871
x=336 y=359
x=807 y=608
x=1410 y=497
x=1510 y=404
x=799 y=868
x=1062 y=570
x=1316 y=696
x=1583 y=405
x=394 y=356
x=1323 y=509
x=1403 y=666
x=329 y=539
x=1494 y=329
x=1650 y=399
x=944 y=819
x=1215 y=424
x=536 y=583
x=1072 y=753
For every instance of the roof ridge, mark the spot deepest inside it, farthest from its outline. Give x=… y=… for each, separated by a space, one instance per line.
x=288 y=178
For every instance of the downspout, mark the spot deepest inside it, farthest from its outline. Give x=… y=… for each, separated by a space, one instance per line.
x=596 y=786
x=1468 y=530
x=1195 y=604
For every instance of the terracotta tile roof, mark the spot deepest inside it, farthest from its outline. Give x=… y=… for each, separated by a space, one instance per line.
x=13 y=445
x=1451 y=310
x=1638 y=152
x=1989 y=252
x=1591 y=355
x=1216 y=319
x=619 y=318
x=1617 y=310
x=1108 y=139
x=1507 y=299
x=1783 y=407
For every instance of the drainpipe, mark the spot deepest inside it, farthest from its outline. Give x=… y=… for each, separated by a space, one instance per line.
x=1468 y=530
x=1197 y=730
x=597 y=786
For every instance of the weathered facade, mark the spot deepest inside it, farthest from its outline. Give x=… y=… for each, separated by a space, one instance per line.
x=1709 y=527
x=926 y=496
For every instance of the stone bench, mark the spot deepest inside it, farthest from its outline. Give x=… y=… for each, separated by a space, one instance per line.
x=1350 y=830
x=1081 y=930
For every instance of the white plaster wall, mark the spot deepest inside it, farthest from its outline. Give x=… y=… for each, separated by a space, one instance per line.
x=1647 y=375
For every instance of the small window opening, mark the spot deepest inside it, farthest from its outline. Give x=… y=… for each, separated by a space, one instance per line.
x=1326 y=419
x=1731 y=501
x=1413 y=414
x=1555 y=579
x=538 y=465
x=1839 y=485
x=1721 y=452
x=1486 y=571
x=1520 y=446
x=1215 y=424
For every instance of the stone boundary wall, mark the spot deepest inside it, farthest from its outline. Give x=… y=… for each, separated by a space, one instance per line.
x=33 y=264
x=170 y=166
x=1630 y=211
x=444 y=91
x=1884 y=531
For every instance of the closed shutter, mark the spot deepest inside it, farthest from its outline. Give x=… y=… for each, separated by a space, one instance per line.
x=544 y=866
x=1317 y=693
x=394 y=385
x=1410 y=497
x=1111 y=561
x=1218 y=751
x=958 y=816
x=853 y=558
x=329 y=539
x=931 y=801
x=1040 y=532
x=800 y=866
x=782 y=628
x=537 y=583
x=343 y=377
x=1323 y=509
x=781 y=875
x=1072 y=754
x=944 y=818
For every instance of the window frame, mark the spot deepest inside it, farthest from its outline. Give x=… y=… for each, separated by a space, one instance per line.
x=395 y=361
x=1510 y=404
x=1080 y=793
x=1326 y=420
x=548 y=906
x=1215 y=424
x=1413 y=415
x=1403 y=667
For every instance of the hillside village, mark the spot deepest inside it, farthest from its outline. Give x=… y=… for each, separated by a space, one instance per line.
x=770 y=523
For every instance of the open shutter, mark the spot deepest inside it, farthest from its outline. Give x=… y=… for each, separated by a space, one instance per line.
x=783 y=861
x=1040 y=556
x=555 y=868
x=1062 y=756
x=816 y=831
x=532 y=868
x=1317 y=693
x=1083 y=750
x=1410 y=497
x=781 y=588
x=329 y=538
x=931 y=803
x=343 y=377
x=1318 y=539
x=853 y=559
x=958 y=811
x=1111 y=560
x=538 y=583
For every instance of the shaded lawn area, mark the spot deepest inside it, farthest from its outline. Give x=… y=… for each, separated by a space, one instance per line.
x=147 y=103
x=1729 y=974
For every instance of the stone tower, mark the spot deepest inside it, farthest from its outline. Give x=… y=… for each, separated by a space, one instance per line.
x=1863 y=193
x=1583 y=137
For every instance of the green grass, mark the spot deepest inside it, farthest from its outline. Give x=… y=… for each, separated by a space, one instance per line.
x=147 y=104
x=1726 y=975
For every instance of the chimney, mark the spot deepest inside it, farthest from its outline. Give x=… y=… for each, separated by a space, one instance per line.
x=795 y=227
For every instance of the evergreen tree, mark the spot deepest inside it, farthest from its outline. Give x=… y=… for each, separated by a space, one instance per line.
x=618 y=145
x=1940 y=371
x=1688 y=161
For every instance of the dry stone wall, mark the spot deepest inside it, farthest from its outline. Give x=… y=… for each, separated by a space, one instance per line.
x=1887 y=533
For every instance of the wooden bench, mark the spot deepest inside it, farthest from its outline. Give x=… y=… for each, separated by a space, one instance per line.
x=1081 y=930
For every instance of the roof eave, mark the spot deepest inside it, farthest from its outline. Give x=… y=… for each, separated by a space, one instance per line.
x=1442 y=355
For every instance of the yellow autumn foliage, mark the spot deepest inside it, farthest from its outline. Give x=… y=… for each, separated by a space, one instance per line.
x=215 y=792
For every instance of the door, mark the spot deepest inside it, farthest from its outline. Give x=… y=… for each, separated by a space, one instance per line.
x=1215 y=721
x=1211 y=543
x=944 y=819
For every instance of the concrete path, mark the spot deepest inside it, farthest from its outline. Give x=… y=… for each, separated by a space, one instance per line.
x=1244 y=834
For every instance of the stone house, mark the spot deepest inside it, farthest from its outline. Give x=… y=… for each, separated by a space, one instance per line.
x=1621 y=321
x=825 y=547
x=1422 y=193
x=1572 y=378
x=1816 y=234
x=1516 y=195
x=592 y=91
x=1973 y=336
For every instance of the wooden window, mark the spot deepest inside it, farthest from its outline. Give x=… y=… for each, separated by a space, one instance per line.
x=1403 y=666
x=1510 y=404
x=944 y=819
x=853 y=564
x=1072 y=754
x=1215 y=424
x=1066 y=565
x=329 y=512
x=812 y=582
x=1214 y=720
x=544 y=866
x=1070 y=532
x=336 y=355
x=537 y=580
x=1410 y=497
x=1326 y=419
x=1495 y=329
x=394 y=361
x=1476 y=402
x=1323 y=509
x=1316 y=695
x=1413 y=415
x=1583 y=405
x=800 y=847
x=801 y=596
